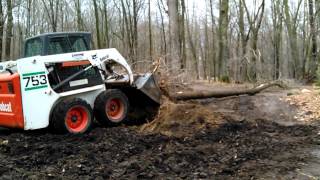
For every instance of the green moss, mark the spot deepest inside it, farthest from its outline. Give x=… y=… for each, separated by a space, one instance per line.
x=225 y=79
x=317 y=83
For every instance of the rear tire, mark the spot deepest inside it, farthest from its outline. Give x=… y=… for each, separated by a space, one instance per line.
x=111 y=107
x=73 y=116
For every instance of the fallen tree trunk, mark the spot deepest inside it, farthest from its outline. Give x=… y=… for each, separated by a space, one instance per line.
x=219 y=94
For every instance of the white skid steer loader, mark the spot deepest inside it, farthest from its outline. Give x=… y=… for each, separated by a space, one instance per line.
x=63 y=84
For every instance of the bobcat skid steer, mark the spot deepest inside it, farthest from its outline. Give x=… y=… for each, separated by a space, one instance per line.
x=63 y=84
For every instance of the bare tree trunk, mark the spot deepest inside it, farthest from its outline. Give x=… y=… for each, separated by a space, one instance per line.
x=62 y=15
x=135 y=30
x=150 y=32
x=2 y=20
x=52 y=13
x=244 y=36
x=182 y=38
x=163 y=31
x=223 y=37
x=106 y=24
x=291 y=24
x=78 y=13
x=174 y=35
x=202 y=56
x=313 y=33
x=255 y=25
x=18 y=38
x=9 y=30
x=56 y=13
x=206 y=64
x=126 y=30
x=244 y=41
x=96 y=14
x=306 y=40
x=213 y=40
x=29 y=6
x=130 y=16
x=193 y=49
x=277 y=13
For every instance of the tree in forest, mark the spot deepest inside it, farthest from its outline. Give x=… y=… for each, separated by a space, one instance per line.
x=150 y=31
x=192 y=38
x=28 y=20
x=213 y=51
x=255 y=24
x=96 y=14
x=52 y=10
x=182 y=36
x=9 y=33
x=135 y=8
x=163 y=38
x=2 y=24
x=277 y=22
x=77 y=4
x=206 y=65
x=244 y=38
x=223 y=37
x=106 y=24
x=130 y=11
x=291 y=22
x=314 y=48
x=174 y=55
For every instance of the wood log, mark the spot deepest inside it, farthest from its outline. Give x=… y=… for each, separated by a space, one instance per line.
x=222 y=93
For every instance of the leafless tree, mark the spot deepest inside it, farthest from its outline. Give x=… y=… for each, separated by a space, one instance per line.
x=173 y=13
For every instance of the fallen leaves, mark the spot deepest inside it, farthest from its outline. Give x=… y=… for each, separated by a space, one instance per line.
x=307 y=102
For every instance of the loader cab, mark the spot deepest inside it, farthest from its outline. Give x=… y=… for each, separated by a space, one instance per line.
x=57 y=43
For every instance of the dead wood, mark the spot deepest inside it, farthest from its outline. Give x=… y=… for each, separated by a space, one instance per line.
x=219 y=94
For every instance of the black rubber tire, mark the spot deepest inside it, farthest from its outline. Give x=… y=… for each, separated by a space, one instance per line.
x=58 y=120
x=100 y=106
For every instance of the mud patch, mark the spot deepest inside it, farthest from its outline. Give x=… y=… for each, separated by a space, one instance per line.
x=229 y=138
x=234 y=149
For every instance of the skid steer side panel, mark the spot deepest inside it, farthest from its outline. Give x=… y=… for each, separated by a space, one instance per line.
x=11 y=114
x=37 y=97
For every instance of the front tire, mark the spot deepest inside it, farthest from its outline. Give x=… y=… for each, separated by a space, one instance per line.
x=111 y=107
x=73 y=116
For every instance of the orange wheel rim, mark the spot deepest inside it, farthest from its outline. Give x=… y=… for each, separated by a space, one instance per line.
x=115 y=109
x=77 y=119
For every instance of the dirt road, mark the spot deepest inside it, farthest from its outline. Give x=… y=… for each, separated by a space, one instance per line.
x=238 y=137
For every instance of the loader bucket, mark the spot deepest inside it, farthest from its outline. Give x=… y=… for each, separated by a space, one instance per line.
x=144 y=98
x=147 y=85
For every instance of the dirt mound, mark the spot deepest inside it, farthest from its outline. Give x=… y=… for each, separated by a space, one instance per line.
x=183 y=119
